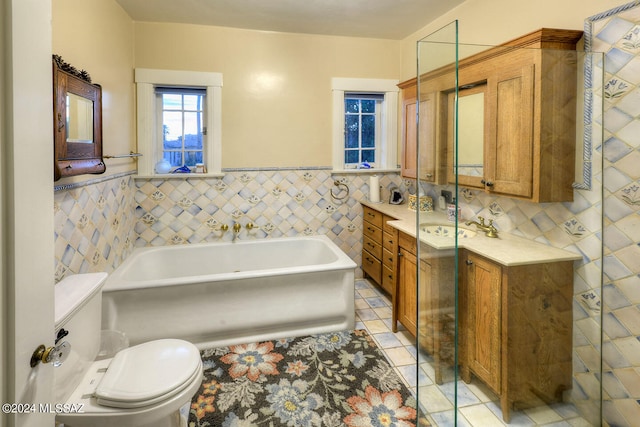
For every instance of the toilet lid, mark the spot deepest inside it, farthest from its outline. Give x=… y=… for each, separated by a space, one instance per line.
x=149 y=372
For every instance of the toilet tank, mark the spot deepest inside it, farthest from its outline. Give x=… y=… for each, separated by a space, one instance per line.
x=78 y=310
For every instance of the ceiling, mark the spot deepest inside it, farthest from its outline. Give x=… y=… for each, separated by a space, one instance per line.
x=386 y=19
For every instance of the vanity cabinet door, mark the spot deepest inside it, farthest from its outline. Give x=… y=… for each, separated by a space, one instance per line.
x=409 y=134
x=481 y=320
x=407 y=301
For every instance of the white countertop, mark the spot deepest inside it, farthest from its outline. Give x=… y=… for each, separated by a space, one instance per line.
x=506 y=249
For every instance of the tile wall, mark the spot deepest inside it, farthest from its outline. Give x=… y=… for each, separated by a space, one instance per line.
x=617 y=33
x=97 y=225
x=93 y=225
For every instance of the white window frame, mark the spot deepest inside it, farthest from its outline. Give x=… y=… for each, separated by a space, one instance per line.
x=389 y=123
x=146 y=80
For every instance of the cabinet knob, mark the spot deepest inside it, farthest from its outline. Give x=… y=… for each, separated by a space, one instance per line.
x=469 y=262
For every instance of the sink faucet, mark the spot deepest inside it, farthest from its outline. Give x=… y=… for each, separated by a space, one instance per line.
x=489 y=230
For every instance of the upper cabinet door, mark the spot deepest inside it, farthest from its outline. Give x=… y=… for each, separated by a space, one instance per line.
x=510 y=143
x=423 y=153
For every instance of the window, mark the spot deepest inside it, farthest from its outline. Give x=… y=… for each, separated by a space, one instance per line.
x=182 y=120
x=365 y=123
x=179 y=117
x=362 y=129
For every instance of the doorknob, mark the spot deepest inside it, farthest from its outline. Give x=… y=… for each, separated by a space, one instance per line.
x=56 y=355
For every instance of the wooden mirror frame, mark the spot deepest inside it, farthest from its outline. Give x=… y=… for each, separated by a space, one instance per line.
x=75 y=158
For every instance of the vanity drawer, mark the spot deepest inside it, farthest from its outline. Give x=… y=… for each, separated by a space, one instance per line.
x=371 y=266
x=371 y=231
x=372 y=247
x=389 y=241
x=373 y=216
x=386 y=227
x=388 y=279
x=408 y=242
x=388 y=259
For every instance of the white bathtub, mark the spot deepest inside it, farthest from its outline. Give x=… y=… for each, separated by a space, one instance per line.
x=218 y=294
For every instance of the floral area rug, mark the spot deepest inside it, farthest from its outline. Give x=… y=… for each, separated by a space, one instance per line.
x=325 y=380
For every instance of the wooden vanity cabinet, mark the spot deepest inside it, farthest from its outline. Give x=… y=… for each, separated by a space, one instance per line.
x=405 y=308
x=516 y=329
x=425 y=302
x=379 y=249
x=431 y=167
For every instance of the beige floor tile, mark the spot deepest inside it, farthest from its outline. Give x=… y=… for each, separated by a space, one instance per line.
x=361 y=304
x=400 y=356
x=480 y=415
x=375 y=326
x=543 y=415
x=367 y=293
x=433 y=400
x=383 y=312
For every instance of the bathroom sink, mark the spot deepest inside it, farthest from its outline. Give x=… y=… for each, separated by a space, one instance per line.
x=446 y=231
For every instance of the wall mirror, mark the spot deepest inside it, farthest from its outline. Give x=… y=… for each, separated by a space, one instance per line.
x=471 y=135
x=77 y=122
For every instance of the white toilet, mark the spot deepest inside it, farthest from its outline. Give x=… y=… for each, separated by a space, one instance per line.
x=144 y=385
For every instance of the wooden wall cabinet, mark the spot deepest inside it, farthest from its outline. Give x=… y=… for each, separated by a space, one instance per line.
x=516 y=329
x=379 y=249
x=431 y=167
x=77 y=122
x=530 y=115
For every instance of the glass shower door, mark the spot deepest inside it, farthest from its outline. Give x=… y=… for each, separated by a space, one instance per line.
x=467 y=348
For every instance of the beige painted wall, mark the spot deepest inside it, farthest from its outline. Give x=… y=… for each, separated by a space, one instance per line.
x=276 y=98
x=492 y=22
x=97 y=36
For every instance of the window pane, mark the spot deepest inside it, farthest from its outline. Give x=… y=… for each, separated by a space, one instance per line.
x=193 y=102
x=368 y=106
x=368 y=131
x=351 y=106
x=173 y=157
x=369 y=156
x=192 y=157
x=193 y=130
x=172 y=129
x=352 y=132
x=351 y=156
x=171 y=101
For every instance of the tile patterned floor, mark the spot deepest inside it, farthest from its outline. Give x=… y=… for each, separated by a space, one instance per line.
x=478 y=406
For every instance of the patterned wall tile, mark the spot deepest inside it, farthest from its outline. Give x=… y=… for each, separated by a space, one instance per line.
x=616 y=33
x=93 y=226
x=278 y=202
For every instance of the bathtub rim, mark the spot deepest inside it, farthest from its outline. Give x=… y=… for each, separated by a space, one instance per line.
x=116 y=283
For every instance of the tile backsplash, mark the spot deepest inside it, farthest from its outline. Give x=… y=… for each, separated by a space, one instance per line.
x=98 y=225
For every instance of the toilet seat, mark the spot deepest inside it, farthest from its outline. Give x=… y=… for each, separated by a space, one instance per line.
x=148 y=373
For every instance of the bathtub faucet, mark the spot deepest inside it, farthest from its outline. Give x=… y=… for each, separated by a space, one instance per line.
x=236 y=229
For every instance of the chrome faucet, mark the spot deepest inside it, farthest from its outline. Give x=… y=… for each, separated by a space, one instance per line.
x=489 y=229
